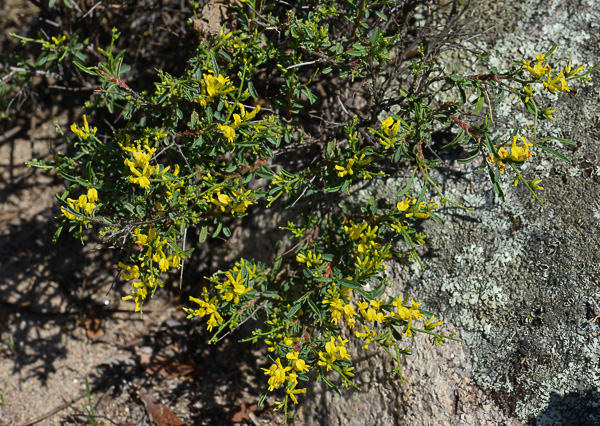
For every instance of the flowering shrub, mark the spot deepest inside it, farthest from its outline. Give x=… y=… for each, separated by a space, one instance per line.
x=294 y=109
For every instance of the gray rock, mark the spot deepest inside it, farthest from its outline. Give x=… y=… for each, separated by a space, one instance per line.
x=517 y=282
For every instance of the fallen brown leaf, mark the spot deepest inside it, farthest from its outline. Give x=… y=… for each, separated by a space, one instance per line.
x=160 y=413
x=93 y=328
x=242 y=412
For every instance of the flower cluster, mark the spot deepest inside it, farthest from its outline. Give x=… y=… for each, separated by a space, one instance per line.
x=238 y=204
x=213 y=85
x=153 y=260
x=84 y=205
x=238 y=120
x=337 y=299
x=280 y=375
x=208 y=307
x=310 y=259
x=553 y=83
x=390 y=129
x=237 y=285
x=140 y=165
x=86 y=132
x=371 y=311
x=233 y=287
x=354 y=162
x=408 y=314
x=56 y=43
x=369 y=254
x=334 y=351
x=410 y=209
x=517 y=153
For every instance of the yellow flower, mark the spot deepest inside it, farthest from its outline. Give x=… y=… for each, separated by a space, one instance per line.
x=233 y=288
x=557 y=83
x=92 y=195
x=355 y=230
x=309 y=258
x=228 y=132
x=215 y=84
x=222 y=200
x=142 y=178
x=131 y=272
x=347 y=169
x=67 y=214
x=208 y=307
x=277 y=373
x=570 y=73
x=370 y=334
x=429 y=324
x=58 y=40
x=502 y=154
x=528 y=92
x=390 y=128
x=298 y=364
x=399 y=227
x=518 y=153
x=293 y=392
x=238 y=120
x=138 y=295
x=538 y=70
x=84 y=133
x=403 y=205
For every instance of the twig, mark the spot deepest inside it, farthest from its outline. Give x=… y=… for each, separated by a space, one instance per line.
x=10 y=133
x=301 y=64
x=182 y=260
x=303 y=192
x=56 y=410
x=248 y=318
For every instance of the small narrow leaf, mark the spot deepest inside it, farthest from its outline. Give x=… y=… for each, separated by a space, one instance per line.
x=555 y=153
x=479 y=105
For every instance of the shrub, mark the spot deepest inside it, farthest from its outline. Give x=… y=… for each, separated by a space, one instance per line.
x=297 y=108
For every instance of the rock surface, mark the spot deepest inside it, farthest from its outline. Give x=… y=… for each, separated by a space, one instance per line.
x=518 y=282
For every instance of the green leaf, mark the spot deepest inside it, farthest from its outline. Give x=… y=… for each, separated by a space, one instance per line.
x=460 y=138
x=218 y=230
x=549 y=52
x=294 y=310
x=58 y=231
x=314 y=308
x=331 y=385
x=262 y=397
x=226 y=231
x=350 y=284
x=380 y=15
x=479 y=105
x=408 y=185
x=469 y=159
x=421 y=195
x=436 y=218
x=378 y=291
x=555 y=153
x=560 y=140
x=252 y=90
x=364 y=294
x=501 y=97
x=355 y=53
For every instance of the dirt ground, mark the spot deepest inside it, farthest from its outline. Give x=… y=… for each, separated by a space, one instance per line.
x=62 y=320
